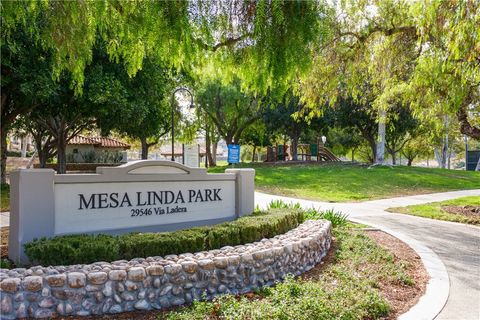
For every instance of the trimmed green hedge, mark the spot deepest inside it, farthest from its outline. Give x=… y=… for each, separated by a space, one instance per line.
x=76 y=249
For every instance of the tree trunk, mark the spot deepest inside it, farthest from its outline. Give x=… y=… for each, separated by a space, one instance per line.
x=3 y=142
x=409 y=163
x=373 y=149
x=380 y=154
x=61 y=156
x=208 y=149
x=253 y=153
x=41 y=152
x=353 y=155
x=466 y=127
x=42 y=158
x=477 y=168
x=145 y=146
x=214 y=153
x=24 y=147
x=394 y=157
x=294 y=147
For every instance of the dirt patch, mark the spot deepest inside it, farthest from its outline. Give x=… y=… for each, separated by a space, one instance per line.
x=401 y=297
x=467 y=211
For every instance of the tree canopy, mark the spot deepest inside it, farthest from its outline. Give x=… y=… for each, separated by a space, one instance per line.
x=245 y=36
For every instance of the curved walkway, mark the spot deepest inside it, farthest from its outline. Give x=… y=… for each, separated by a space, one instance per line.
x=456 y=245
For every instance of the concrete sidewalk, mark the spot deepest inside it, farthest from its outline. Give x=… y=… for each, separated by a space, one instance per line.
x=457 y=246
x=4 y=219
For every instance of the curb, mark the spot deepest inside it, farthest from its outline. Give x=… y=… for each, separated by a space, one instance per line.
x=438 y=287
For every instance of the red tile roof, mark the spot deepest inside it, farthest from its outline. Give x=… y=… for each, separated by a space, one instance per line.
x=82 y=140
x=98 y=141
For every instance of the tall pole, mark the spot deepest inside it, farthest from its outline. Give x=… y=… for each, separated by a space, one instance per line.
x=173 y=132
x=173 y=115
x=466 y=151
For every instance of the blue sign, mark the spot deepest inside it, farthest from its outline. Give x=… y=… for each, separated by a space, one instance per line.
x=233 y=153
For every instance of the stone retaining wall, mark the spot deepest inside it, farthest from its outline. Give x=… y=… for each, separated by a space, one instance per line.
x=156 y=282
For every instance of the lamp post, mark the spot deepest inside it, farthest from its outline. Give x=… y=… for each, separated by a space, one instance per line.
x=173 y=115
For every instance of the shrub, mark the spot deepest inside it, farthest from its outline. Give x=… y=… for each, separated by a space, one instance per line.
x=337 y=218
x=75 y=249
x=6 y=264
x=159 y=244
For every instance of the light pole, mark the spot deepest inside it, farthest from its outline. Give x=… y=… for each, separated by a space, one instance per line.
x=173 y=115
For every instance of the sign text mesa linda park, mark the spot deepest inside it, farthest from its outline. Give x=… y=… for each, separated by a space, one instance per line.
x=147 y=198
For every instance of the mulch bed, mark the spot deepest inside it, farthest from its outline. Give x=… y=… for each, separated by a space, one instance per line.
x=468 y=210
x=401 y=297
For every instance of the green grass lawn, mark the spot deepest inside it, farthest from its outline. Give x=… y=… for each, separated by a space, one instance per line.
x=5 y=197
x=434 y=210
x=344 y=182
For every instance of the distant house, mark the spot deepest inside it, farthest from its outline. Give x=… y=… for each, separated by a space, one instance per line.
x=87 y=149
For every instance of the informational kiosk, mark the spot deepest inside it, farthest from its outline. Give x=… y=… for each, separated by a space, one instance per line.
x=141 y=196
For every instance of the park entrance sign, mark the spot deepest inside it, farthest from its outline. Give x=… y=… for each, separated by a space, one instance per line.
x=143 y=196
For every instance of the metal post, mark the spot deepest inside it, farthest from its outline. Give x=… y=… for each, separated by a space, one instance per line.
x=466 y=151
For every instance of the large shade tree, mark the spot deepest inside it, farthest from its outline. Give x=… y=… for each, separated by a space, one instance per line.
x=138 y=106
x=229 y=108
x=241 y=35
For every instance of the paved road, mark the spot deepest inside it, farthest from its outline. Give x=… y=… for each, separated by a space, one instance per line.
x=457 y=245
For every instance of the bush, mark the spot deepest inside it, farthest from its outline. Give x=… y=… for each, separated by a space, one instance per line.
x=73 y=249
x=76 y=249
x=159 y=244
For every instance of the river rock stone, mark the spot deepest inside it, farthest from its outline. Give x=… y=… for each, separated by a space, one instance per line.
x=46 y=303
x=117 y=275
x=97 y=277
x=6 y=304
x=189 y=266
x=76 y=280
x=10 y=285
x=206 y=264
x=155 y=270
x=33 y=283
x=142 y=305
x=56 y=280
x=136 y=274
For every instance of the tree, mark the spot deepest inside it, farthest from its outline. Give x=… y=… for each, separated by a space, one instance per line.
x=284 y=117
x=231 y=110
x=64 y=116
x=401 y=127
x=352 y=114
x=241 y=35
x=43 y=140
x=25 y=81
x=138 y=107
x=256 y=135
x=424 y=51
x=417 y=147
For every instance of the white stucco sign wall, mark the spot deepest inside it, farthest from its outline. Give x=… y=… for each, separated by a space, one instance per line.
x=140 y=196
x=137 y=204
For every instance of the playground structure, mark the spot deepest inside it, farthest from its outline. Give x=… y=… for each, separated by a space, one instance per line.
x=305 y=152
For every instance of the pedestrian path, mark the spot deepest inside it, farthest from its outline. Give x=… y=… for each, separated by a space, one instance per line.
x=442 y=245
x=4 y=219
